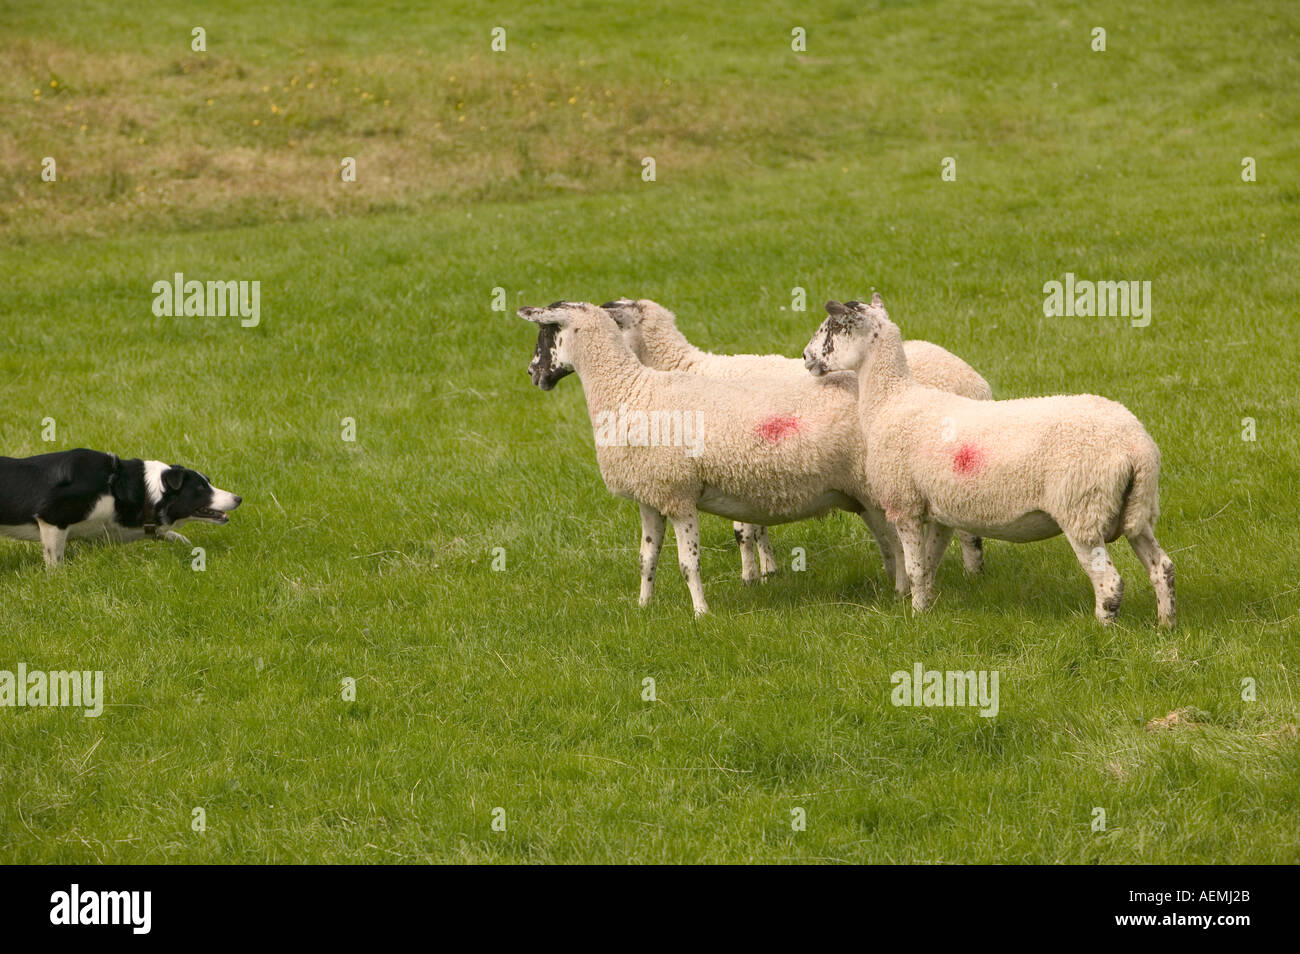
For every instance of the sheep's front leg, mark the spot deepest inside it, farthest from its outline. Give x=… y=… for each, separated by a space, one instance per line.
x=972 y=552
x=891 y=551
x=939 y=537
x=766 y=558
x=53 y=541
x=748 y=561
x=652 y=538
x=687 y=531
x=1107 y=586
x=917 y=541
x=1160 y=570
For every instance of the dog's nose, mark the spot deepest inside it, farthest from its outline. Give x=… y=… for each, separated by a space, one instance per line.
x=238 y=500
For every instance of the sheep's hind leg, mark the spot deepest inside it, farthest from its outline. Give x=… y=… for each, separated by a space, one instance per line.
x=1107 y=585
x=652 y=538
x=917 y=540
x=1160 y=570
x=972 y=552
x=687 y=531
x=766 y=557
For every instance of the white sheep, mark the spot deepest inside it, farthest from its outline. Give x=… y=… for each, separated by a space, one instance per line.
x=678 y=443
x=1018 y=470
x=650 y=330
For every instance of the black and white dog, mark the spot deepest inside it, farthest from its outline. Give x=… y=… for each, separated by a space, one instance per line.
x=85 y=493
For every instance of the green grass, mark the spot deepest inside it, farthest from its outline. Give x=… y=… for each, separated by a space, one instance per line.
x=522 y=688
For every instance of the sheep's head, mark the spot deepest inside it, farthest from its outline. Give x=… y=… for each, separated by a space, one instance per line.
x=558 y=325
x=845 y=338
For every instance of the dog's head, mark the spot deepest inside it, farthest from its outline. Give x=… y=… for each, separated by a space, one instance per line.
x=181 y=494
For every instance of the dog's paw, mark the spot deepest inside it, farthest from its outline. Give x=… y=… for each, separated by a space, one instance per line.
x=171 y=536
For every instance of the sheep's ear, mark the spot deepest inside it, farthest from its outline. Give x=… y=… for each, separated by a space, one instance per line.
x=834 y=307
x=545 y=316
x=877 y=301
x=621 y=310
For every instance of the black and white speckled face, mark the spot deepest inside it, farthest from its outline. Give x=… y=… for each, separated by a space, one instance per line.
x=547 y=366
x=553 y=355
x=835 y=346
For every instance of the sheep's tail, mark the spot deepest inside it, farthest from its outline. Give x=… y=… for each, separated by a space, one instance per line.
x=1142 y=499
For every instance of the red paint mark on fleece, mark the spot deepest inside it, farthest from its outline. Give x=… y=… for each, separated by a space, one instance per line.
x=967 y=460
x=778 y=428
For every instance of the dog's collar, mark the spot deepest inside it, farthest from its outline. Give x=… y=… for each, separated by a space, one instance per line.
x=150 y=522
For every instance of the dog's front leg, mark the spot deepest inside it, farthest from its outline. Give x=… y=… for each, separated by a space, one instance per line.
x=53 y=541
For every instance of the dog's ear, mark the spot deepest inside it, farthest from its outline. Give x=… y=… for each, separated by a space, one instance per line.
x=173 y=477
x=834 y=307
x=557 y=314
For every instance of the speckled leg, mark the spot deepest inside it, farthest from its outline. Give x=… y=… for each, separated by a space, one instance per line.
x=687 y=531
x=917 y=541
x=652 y=538
x=766 y=557
x=1160 y=570
x=939 y=537
x=748 y=558
x=1106 y=583
x=972 y=552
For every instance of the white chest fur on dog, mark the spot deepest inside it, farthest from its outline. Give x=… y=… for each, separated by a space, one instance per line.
x=100 y=522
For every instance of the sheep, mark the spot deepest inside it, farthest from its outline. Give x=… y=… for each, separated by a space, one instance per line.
x=678 y=443
x=650 y=330
x=1019 y=470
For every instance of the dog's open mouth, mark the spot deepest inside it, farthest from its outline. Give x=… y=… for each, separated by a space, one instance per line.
x=215 y=516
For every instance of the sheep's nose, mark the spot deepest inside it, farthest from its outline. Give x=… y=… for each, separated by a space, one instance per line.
x=808 y=360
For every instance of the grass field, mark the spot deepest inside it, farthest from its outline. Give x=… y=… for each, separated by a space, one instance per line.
x=521 y=688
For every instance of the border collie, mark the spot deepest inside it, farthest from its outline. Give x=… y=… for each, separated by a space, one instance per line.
x=84 y=493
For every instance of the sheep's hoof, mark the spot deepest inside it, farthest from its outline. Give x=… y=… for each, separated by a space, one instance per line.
x=1106 y=614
